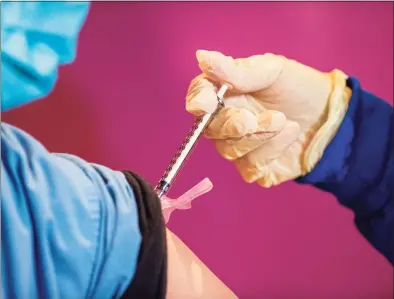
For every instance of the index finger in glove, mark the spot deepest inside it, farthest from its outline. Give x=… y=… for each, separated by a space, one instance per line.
x=244 y=74
x=201 y=96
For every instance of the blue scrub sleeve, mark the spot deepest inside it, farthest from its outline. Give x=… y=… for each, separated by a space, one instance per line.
x=36 y=38
x=69 y=228
x=358 y=167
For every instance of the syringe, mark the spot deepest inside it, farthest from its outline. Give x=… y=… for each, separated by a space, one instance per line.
x=187 y=146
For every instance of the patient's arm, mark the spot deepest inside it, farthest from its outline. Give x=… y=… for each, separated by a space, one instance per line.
x=188 y=277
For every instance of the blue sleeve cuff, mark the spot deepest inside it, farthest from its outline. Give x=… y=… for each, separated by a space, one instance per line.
x=357 y=157
x=358 y=167
x=332 y=166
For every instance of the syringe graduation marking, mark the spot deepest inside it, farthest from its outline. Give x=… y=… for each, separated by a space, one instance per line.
x=182 y=148
x=199 y=126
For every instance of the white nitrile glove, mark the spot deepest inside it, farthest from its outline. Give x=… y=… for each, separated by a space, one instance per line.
x=279 y=117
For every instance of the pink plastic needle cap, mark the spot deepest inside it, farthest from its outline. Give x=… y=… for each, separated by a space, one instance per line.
x=168 y=205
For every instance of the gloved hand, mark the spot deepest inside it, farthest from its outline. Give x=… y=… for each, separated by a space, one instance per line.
x=279 y=115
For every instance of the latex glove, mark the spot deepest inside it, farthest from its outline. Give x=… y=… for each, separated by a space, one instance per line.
x=279 y=117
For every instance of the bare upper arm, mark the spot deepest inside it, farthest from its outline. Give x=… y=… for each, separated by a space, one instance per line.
x=188 y=277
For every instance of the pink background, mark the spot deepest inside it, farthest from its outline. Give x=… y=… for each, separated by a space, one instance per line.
x=122 y=104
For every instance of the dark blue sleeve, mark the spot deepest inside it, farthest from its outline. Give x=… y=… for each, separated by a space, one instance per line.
x=358 y=167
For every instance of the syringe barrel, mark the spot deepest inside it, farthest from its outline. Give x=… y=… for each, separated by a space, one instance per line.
x=184 y=151
x=187 y=146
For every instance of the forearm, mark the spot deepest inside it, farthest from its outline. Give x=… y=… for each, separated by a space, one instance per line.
x=357 y=167
x=188 y=277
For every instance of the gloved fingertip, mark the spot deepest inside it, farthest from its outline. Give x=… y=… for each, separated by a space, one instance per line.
x=200 y=54
x=213 y=63
x=247 y=170
x=195 y=111
x=264 y=183
x=275 y=178
x=203 y=58
x=206 y=55
x=294 y=129
x=198 y=109
x=201 y=97
x=200 y=105
x=271 y=178
x=278 y=121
